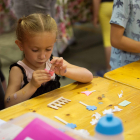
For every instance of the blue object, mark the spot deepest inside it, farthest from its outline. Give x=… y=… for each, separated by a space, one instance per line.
x=100 y=73
x=109 y=125
x=71 y=125
x=89 y=107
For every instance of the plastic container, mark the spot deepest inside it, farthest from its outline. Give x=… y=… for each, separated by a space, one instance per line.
x=20 y=126
x=109 y=128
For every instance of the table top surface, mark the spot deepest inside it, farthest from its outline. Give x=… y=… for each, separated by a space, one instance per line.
x=128 y=75
x=74 y=112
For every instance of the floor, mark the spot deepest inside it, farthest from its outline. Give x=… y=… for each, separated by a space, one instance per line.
x=88 y=52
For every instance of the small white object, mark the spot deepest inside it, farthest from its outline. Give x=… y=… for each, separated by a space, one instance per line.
x=58 y=103
x=83 y=103
x=28 y=138
x=61 y=120
x=94 y=121
x=120 y=95
x=116 y=109
x=109 y=111
x=97 y=115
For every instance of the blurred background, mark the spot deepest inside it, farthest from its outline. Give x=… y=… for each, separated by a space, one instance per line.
x=79 y=42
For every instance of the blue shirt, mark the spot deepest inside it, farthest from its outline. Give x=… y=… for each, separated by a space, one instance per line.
x=126 y=13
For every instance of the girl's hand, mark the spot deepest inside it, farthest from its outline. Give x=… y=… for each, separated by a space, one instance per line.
x=58 y=66
x=39 y=77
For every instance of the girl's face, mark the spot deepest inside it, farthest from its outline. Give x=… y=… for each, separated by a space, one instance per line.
x=38 y=49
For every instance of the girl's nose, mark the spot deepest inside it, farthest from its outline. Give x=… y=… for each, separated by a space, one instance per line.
x=42 y=56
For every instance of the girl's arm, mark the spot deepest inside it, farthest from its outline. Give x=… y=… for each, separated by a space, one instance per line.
x=118 y=40
x=96 y=6
x=78 y=73
x=62 y=67
x=14 y=94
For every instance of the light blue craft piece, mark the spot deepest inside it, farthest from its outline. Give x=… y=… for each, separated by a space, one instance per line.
x=124 y=103
x=91 y=107
x=71 y=125
x=100 y=102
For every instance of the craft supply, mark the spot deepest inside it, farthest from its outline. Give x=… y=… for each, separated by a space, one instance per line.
x=116 y=109
x=103 y=96
x=94 y=121
x=109 y=111
x=88 y=106
x=96 y=115
x=100 y=102
x=120 y=95
x=58 y=103
x=71 y=125
x=124 y=103
x=88 y=92
x=50 y=72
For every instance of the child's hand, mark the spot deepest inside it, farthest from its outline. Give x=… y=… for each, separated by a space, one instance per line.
x=39 y=77
x=58 y=66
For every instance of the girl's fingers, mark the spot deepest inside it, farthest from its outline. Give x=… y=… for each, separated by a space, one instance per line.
x=54 y=60
x=43 y=75
x=57 y=61
x=43 y=78
x=52 y=67
x=41 y=72
x=63 y=67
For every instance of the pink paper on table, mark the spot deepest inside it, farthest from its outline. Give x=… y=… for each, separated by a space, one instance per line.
x=39 y=130
x=87 y=92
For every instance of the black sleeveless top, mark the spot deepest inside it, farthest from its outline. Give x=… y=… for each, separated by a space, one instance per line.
x=49 y=86
x=107 y=1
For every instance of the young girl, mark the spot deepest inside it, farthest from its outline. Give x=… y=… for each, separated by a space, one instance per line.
x=38 y=72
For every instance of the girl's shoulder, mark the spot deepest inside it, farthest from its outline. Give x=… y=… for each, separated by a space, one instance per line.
x=16 y=67
x=16 y=71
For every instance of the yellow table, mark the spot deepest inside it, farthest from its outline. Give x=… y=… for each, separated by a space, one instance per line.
x=76 y=113
x=128 y=75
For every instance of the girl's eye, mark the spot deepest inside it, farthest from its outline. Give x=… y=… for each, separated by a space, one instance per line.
x=48 y=49
x=34 y=50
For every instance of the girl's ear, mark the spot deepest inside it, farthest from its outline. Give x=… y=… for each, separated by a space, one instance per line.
x=19 y=44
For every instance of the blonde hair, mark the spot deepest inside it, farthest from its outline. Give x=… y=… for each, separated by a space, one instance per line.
x=35 y=23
